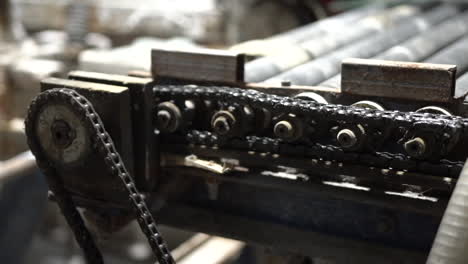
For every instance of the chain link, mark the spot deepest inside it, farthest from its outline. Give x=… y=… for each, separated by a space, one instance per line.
x=447 y=129
x=81 y=106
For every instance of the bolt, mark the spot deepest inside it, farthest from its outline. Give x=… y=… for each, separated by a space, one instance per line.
x=62 y=134
x=221 y=125
x=346 y=138
x=284 y=129
x=168 y=117
x=224 y=123
x=164 y=119
x=415 y=147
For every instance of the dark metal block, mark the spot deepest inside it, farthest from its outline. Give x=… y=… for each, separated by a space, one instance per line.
x=309 y=219
x=403 y=80
x=203 y=65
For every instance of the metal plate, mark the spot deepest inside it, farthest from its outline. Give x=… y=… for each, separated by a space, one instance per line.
x=412 y=81
x=201 y=65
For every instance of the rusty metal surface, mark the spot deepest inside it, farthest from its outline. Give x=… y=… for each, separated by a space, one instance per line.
x=415 y=81
x=199 y=66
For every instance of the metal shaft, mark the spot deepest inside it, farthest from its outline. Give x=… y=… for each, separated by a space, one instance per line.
x=317 y=71
x=335 y=37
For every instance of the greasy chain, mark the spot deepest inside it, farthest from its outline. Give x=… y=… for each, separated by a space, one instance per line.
x=447 y=129
x=81 y=106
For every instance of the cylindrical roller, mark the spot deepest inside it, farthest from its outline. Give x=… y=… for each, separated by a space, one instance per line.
x=287 y=39
x=426 y=44
x=326 y=25
x=269 y=66
x=451 y=242
x=422 y=46
x=454 y=54
x=317 y=71
x=361 y=29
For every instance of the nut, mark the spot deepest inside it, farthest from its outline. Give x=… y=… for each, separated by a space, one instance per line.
x=347 y=138
x=284 y=129
x=164 y=118
x=168 y=117
x=223 y=123
x=416 y=147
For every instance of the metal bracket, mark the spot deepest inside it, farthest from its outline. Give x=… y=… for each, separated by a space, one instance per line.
x=193 y=161
x=201 y=65
x=403 y=80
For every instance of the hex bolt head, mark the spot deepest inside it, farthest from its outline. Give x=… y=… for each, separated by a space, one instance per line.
x=224 y=123
x=221 y=125
x=416 y=147
x=163 y=118
x=168 y=117
x=347 y=138
x=284 y=129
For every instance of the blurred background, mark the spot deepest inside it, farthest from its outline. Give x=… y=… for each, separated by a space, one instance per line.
x=43 y=38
